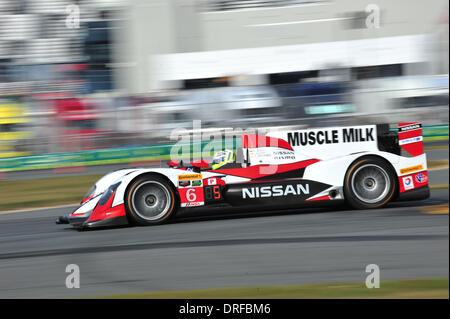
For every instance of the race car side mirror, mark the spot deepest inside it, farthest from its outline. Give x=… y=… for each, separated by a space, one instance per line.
x=174 y=163
x=200 y=164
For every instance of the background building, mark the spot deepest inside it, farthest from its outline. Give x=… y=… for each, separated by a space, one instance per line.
x=165 y=44
x=89 y=74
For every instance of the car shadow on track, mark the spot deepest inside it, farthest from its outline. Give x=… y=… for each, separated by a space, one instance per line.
x=222 y=213
x=201 y=214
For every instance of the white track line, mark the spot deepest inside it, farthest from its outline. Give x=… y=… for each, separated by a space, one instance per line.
x=39 y=208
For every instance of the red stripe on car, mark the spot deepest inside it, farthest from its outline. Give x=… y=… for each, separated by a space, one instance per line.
x=254 y=140
x=258 y=171
x=106 y=211
x=319 y=198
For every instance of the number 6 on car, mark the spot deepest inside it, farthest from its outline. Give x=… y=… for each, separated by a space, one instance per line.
x=192 y=196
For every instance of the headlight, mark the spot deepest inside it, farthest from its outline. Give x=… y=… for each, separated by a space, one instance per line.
x=107 y=194
x=89 y=193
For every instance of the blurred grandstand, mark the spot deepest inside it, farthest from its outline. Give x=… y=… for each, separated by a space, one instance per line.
x=134 y=70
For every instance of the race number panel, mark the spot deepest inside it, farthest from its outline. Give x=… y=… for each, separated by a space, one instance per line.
x=191 y=196
x=213 y=193
x=190 y=188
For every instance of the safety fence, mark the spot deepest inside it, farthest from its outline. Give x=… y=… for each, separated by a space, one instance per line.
x=116 y=155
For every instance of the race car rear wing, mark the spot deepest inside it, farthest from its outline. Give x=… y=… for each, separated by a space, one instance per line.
x=387 y=138
x=405 y=139
x=410 y=138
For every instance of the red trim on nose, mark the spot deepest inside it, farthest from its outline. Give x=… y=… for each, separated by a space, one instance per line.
x=106 y=211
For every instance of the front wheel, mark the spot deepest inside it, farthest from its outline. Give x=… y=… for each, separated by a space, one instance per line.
x=369 y=183
x=150 y=201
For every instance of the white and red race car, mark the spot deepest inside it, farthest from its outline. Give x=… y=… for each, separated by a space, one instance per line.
x=365 y=166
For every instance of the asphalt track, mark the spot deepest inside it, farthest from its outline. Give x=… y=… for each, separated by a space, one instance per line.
x=222 y=248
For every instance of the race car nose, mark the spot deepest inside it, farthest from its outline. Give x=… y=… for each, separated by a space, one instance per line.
x=62 y=220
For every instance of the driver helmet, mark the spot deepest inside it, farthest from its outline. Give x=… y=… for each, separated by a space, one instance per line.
x=221 y=158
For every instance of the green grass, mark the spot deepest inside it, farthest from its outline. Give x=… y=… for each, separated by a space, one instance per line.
x=437 y=164
x=435 y=138
x=44 y=191
x=435 y=147
x=439 y=186
x=404 y=289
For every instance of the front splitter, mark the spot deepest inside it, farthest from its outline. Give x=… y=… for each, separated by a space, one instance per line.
x=107 y=222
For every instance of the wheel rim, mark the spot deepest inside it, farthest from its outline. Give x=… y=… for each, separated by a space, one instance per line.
x=370 y=183
x=151 y=200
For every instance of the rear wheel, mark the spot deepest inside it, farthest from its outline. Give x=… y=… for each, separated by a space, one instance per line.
x=150 y=201
x=369 y=183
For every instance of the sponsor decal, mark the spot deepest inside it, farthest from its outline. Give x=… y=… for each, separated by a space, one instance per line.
x=192 y=204
x=408 y=182
x=189 y=177
x=411 y=169
x=184 y=183
x=292 y=192
x=421 y=178
x=275 y=190
x=411 y=127
x=410 y=140
x=349 y=135
x=260 y=152
x=197 y=182
x=357 y=135
x=413 y=181
x=211 y=181
x=283 y=155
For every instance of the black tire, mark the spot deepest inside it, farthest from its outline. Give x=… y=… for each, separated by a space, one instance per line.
x=150 y=200
x=369 y=183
